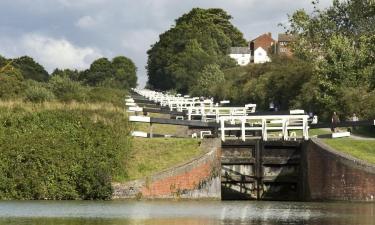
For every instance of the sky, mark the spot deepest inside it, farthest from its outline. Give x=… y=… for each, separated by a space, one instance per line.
x=73 y=33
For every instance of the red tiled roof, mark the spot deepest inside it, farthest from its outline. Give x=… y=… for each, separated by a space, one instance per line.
x=265 y=41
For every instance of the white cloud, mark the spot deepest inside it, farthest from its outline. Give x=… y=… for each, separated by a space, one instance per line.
x=50 y=52
x=118 y=27
x=85 y=22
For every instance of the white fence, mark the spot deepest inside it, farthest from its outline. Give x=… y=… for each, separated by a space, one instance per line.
x=230 y=118
x=213 y=113
x=265 y=124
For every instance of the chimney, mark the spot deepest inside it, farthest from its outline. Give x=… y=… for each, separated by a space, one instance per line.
x=269 y=34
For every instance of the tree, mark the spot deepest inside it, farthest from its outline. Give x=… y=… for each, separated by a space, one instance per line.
x=199 y=38
x=11 y=82
x=30 y=69
x=125 y=72
x=118 y=73
x=280 y=81
x=3 y=61
x=337 y=41
x=99 y=71
x=71 y=74
x=210 y=82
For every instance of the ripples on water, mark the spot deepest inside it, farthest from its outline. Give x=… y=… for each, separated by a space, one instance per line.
x=184 y=212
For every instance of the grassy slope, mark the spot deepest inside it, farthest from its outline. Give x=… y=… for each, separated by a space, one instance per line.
x=61 y=151
x=361 y=149
x=150 y=156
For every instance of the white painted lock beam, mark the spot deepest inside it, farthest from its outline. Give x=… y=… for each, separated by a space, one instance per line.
x=296 y=111
x=340 y=134
x=135 y=109
x=143 y=119
x=139 y=134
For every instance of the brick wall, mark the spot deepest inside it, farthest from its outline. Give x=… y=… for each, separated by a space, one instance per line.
x=331 y=175
x=199 y=178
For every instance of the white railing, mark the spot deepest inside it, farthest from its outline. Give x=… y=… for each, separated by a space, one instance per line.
x=230 y=118
x=264 y=124
x=174 y=102
x=213 y=113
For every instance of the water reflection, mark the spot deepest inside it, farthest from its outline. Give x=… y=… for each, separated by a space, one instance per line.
x=184 y=212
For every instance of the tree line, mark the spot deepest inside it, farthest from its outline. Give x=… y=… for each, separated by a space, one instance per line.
x=24 y=78
x=333 y=67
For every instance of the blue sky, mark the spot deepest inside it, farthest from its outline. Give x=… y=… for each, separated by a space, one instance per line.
x=72 y=33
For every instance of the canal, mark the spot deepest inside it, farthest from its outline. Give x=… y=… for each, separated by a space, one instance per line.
x=185 y=212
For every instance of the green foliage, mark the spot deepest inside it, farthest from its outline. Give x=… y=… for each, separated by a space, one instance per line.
x=3 y=61
x=124 y=72
x=210 y=82
x=61 y=154
x=110 y=95
x=11 y=82
x=339 y=42
x=199 y=38
x=30 y=69
x=118 y=73
x=99 y=71
x=38 y=93
x=67 y=90
x=281 y=82
x=71 y=74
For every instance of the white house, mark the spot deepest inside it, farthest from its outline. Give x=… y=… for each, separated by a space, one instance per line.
x=261 y=56
x=241 y=54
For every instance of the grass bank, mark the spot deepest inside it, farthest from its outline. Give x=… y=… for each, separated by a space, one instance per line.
x=361 y=149
x=61 y=151
x=150 y=156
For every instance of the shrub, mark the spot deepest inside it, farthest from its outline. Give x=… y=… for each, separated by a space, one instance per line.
x=68 y=90
x=11 y=83
x=37 y=93
x=61 y=154
x=103 y=94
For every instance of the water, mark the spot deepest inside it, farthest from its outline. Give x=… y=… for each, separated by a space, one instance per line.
x=184 y=212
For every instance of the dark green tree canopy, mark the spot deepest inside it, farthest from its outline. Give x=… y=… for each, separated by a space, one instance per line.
x=125 y=71
x=30 y=69
x=339 y=41
x=71 y=74
x=199 y=38
x=3 y=61
x=118 y=73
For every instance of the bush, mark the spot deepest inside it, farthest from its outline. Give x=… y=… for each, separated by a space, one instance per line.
x=103 y=94
x=68 y=90
x=11 y=84
x=61 y=154
x=37 y=93
x=280 y=81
